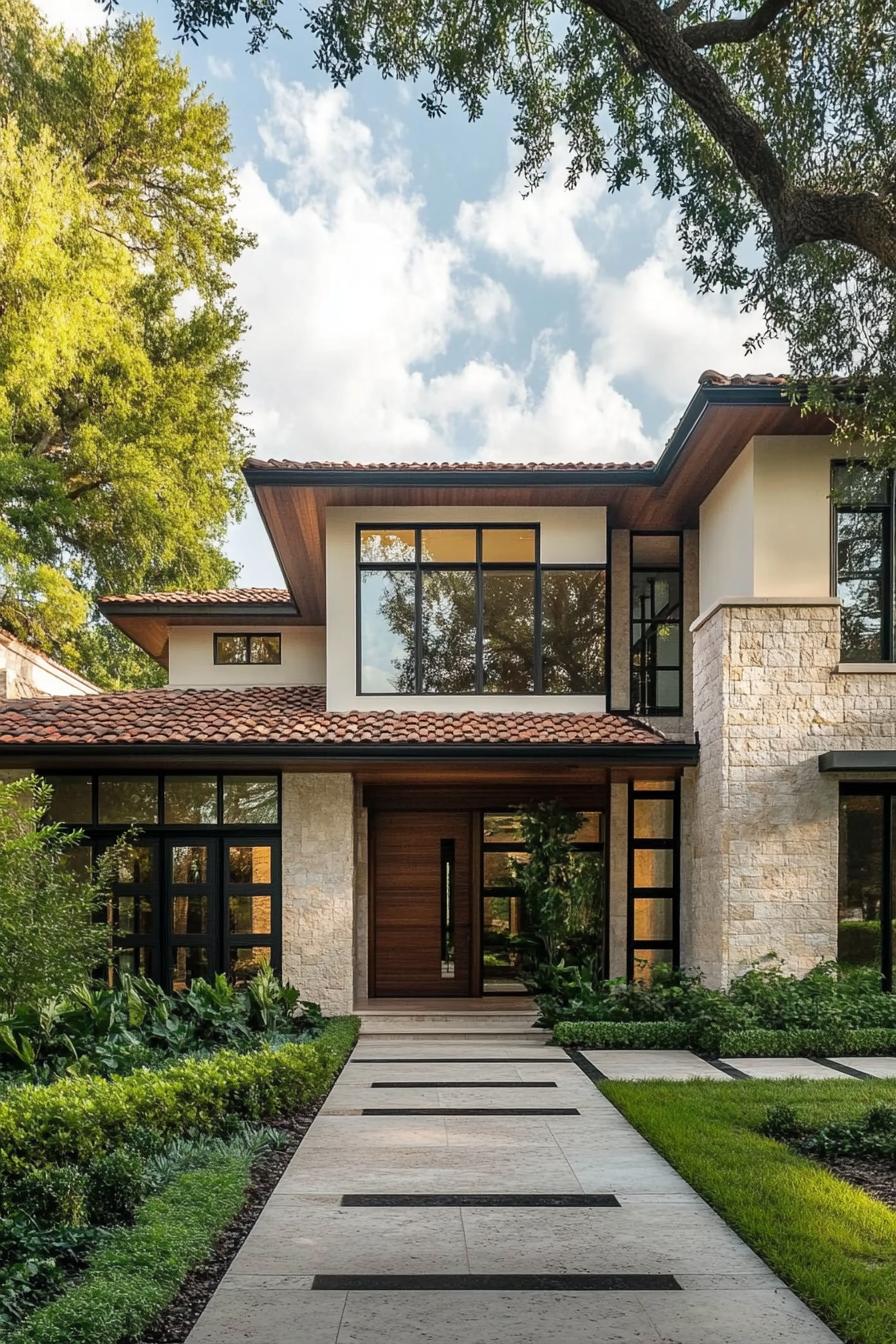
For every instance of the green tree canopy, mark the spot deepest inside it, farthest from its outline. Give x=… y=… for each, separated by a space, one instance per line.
x=770 y=121
x=120 y=377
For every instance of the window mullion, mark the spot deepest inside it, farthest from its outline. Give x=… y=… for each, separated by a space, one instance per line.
x=418 y=614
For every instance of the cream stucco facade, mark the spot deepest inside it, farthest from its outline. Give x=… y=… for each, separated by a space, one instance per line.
x=191 y=657
x=569 y=536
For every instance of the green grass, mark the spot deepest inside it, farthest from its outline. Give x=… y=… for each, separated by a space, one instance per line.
x=139 y=1269
x=834 y=1245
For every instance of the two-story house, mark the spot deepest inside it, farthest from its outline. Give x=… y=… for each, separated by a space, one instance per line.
x=699 y=654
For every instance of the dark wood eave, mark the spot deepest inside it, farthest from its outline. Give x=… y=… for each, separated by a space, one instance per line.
x=715 y=427
x=148 y=623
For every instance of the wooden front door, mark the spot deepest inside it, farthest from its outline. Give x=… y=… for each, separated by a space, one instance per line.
x=421 y=903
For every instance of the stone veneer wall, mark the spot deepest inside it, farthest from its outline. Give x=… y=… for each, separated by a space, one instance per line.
x=318 y=887
x=761 y=830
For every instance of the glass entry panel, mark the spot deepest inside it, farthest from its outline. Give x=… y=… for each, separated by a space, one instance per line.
x=504 y=945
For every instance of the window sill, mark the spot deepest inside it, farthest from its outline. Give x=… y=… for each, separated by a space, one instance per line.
x=865 y=668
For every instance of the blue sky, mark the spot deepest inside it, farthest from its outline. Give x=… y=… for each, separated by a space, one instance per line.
x=407 y=303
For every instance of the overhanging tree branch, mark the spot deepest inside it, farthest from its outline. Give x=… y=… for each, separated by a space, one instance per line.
x=717 y=32
x=798 y=215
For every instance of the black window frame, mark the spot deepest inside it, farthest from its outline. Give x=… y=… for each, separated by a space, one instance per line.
x=479 y=567
x=887 y=792
x=600 y=846
x=161 y=836
x=888 y=578
x=639 y=676
x=247 y=638
x=664 y=789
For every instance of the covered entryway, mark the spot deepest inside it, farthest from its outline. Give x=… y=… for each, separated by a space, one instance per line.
x=421 y=890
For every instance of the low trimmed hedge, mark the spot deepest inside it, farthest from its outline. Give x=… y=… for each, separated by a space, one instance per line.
x=755 y=1041
x=77 y=1119
x=760 y=1041
x=624 y=1035
x=139 y=1269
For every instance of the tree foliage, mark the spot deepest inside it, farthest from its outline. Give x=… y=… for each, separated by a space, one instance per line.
x=120 y=444
x=771 y=122
x=562 y=891
x=49 y=940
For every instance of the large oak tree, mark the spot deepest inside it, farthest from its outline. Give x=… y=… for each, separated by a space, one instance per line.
x=120 y=376
x=771 y=122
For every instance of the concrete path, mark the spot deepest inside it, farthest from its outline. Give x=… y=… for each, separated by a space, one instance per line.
x=680 y=1065
x=397 y=1202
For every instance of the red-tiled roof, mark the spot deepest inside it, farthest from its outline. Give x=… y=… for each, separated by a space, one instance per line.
x=289 y=716
x=285 y=464
x=213 y=597
x=711 y=378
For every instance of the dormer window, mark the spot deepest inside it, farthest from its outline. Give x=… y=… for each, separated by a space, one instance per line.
x=470 y=610
x=240 y=650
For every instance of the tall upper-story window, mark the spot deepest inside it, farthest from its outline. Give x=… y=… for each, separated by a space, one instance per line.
x=656 y=622
x=863 y=560
x=464 y=610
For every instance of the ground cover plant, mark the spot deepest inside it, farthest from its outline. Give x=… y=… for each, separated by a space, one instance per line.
x=112 y=1189
x=831 y=1010
x=831 y=1242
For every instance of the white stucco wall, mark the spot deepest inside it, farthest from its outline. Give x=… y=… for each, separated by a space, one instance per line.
x=569 y=536
x=726 y=534
x=191 y=657
x=765 y=530
x=25 y=674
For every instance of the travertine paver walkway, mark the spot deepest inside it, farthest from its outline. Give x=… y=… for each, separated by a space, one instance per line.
x=673 y=1271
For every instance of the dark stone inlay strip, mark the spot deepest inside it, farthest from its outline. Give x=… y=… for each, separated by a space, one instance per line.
x=470 y=1110
x=413 y=1083
x=590 y=1070
x=523 y=1283
x=479 y=1202
x=847 y=1069
x=731 y=1071
x=465 y=1059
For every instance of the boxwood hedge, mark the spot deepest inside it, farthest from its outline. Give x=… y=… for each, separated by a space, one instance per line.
x=624 y=1035
x=809 y=1041
x=77 y=1119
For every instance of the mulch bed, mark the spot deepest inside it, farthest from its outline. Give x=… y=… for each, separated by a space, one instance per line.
x=875 y=1175
x=177 y=1320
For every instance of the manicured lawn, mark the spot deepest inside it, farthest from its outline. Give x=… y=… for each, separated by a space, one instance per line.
x=834 y=1245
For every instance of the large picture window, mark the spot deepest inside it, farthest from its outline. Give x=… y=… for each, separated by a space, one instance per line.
x=460 y=610
x=863 y=561
x=656 y=623
x=198 y=890
x=865 y=923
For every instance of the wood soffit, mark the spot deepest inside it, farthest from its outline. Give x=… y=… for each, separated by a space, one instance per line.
x=293 y=503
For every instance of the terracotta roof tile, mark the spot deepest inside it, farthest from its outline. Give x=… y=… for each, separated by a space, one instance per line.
x=289 y=716
x=286 y=464
x=213 y=597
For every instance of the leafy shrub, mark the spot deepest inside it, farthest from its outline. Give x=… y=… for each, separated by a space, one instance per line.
x=77 y=1120
x=137 y=1270
x=623 y=1035
x=871 y=1135
x=116 y=1183
x=55 y=1195
x=49 y=939
x=35 y=1261
x=92 y=1029
x=562 y=893
x=829 y=1000
x=804 y=1041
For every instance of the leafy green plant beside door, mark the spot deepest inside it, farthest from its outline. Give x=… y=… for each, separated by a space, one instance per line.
x=563 y=898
